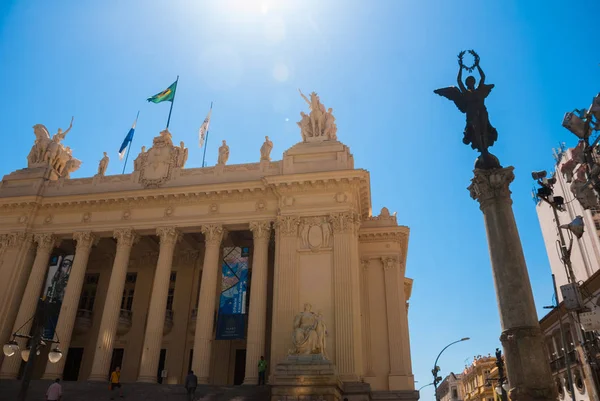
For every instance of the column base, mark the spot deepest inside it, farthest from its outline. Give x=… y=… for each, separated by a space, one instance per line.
x=97 y=378
x=52 y=376
x=147 y=379
x=8 y=376
x=403 y=395
x=250 y=381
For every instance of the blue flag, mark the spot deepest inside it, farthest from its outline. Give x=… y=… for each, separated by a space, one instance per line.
x=127 y=140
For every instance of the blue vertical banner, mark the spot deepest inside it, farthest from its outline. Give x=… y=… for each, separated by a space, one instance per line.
x=231 y=321
x=59 y=270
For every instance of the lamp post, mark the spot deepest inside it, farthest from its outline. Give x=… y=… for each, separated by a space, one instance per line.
x=436 y=368
x=427 y=385
x=502 y=386
x=36 y=342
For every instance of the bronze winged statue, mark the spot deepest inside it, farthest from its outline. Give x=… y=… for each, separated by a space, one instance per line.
x=471 y=101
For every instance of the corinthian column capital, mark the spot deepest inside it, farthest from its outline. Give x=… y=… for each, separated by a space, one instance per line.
x=389 y=263
x=46 y=241
x=213 y=234
x=168 y=235
x=125 y=237
x=16 y=239
x=344 y=222
x=84 y=239
x=261 y=229
x=488 y=185
x=287 y=225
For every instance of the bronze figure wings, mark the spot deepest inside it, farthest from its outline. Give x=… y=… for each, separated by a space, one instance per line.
x=454 y=94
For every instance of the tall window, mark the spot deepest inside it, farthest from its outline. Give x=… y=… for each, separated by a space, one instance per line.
x=129 y=291
x=454 y=393
x=88 y=293
x=171 y=291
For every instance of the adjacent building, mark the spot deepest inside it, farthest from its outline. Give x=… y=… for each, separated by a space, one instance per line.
x=582 y=348
x=475 y=379
x=169 y=268
x=450 y=389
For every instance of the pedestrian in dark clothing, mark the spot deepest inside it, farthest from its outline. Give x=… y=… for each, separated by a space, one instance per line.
x=191 y=382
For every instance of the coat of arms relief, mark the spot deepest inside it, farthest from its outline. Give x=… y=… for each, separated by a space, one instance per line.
x=156 y=165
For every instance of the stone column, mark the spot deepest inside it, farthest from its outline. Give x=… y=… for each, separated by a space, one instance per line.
x=366 y=317
x=29 y=302
x=17 y=253
x=257 y=314
x=125 y=237
x=158 y=305
x=526 y=362
x=285 y=287
x=348 y=342
x=213 y=234
x=68 y=309
x=394 y=306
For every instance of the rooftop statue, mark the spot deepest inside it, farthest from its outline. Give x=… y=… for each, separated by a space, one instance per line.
x=470 y=100
x=47 y=152
x=319 y=125
x=223 y=153
x=265 y=149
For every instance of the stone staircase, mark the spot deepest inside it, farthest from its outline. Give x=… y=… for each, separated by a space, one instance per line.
x=94 y=391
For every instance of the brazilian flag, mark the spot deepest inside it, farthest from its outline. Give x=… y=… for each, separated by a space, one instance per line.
x=165 y=96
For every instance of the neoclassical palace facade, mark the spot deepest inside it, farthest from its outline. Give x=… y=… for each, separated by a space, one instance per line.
x=170 y=268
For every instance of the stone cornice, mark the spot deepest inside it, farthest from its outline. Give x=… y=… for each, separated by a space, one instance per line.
x=398 y=234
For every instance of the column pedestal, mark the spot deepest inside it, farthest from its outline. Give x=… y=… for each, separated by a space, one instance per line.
x=158 y=304
x=112 y=306
x=68 y=309
x=29 y=302
x=213 y=235
x=257 y=316
x=527 y=365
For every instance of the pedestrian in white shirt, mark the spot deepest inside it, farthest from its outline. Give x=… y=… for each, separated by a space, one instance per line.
x=54 y=392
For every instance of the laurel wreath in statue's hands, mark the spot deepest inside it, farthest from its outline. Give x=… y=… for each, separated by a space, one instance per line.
x=475 y=60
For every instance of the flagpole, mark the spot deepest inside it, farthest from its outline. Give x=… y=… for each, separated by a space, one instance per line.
x=206 y=141
x=130 y=143
x=172 y=101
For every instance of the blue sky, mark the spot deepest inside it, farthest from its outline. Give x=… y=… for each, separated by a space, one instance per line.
x=375 y=63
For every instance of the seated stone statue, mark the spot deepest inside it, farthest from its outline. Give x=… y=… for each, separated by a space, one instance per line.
x=309 y=333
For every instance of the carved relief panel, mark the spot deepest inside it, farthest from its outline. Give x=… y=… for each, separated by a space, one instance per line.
x=315 y=233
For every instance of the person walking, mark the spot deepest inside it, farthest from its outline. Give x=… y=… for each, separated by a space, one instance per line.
x=262 y=370
x=115 y=383
x=54 y=392
x=191 y=382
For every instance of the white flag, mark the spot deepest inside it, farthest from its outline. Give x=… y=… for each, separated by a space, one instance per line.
x=204 y=129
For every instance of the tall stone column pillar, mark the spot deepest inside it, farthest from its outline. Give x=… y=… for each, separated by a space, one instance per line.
x=366 y=317
x=203 y=338
x=257 y=316
x=125 y=237
x=16 y=257
x=526 y=362
x=395 y=306
x=285 y=286
x=348 y=340
x=29 y=302
x=158 y=305
x=68 y=309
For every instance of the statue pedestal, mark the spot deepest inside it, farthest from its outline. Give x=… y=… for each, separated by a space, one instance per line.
x=305 y=378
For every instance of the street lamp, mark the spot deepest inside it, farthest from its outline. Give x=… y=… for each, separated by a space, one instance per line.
x=427 y=385
x=36 y=342
x=436 y=368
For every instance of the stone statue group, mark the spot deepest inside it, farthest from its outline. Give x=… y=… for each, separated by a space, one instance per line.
x=48 y=151
x=317 y=126
x=309 y=333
